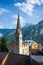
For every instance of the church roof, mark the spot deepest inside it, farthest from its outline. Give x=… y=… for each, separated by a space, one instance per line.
x=18 y=30
x=30 y=42
x=18 y=22
x=3 y=55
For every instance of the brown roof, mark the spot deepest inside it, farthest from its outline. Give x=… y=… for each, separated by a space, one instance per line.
x=2 y=55
x=37 y=58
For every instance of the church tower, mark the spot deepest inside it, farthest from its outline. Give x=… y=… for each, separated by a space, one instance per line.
x=18 y=46
x=18 y=37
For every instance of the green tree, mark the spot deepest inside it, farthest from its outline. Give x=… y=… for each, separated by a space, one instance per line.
x=4 y=44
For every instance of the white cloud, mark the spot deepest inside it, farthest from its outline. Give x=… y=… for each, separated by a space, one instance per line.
x=1 y=26
x=34 y=2
x=42 y=1
x=1 y=34
x=2 y=10
x=28 y=6
x=18 y=4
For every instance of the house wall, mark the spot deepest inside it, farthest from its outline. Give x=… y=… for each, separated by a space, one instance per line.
x=21 y=48
x=25 y=49
x=13 y=47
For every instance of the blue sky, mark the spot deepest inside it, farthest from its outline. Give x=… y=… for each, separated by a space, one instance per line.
x=31 y=11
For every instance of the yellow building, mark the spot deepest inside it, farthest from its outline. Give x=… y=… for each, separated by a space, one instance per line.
x=35 y=46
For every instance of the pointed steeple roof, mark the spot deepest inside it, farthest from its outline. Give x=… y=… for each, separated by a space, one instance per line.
x=18 y=22
x=18 y=29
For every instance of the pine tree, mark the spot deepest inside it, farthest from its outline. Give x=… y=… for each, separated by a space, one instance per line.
x=4 y=44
